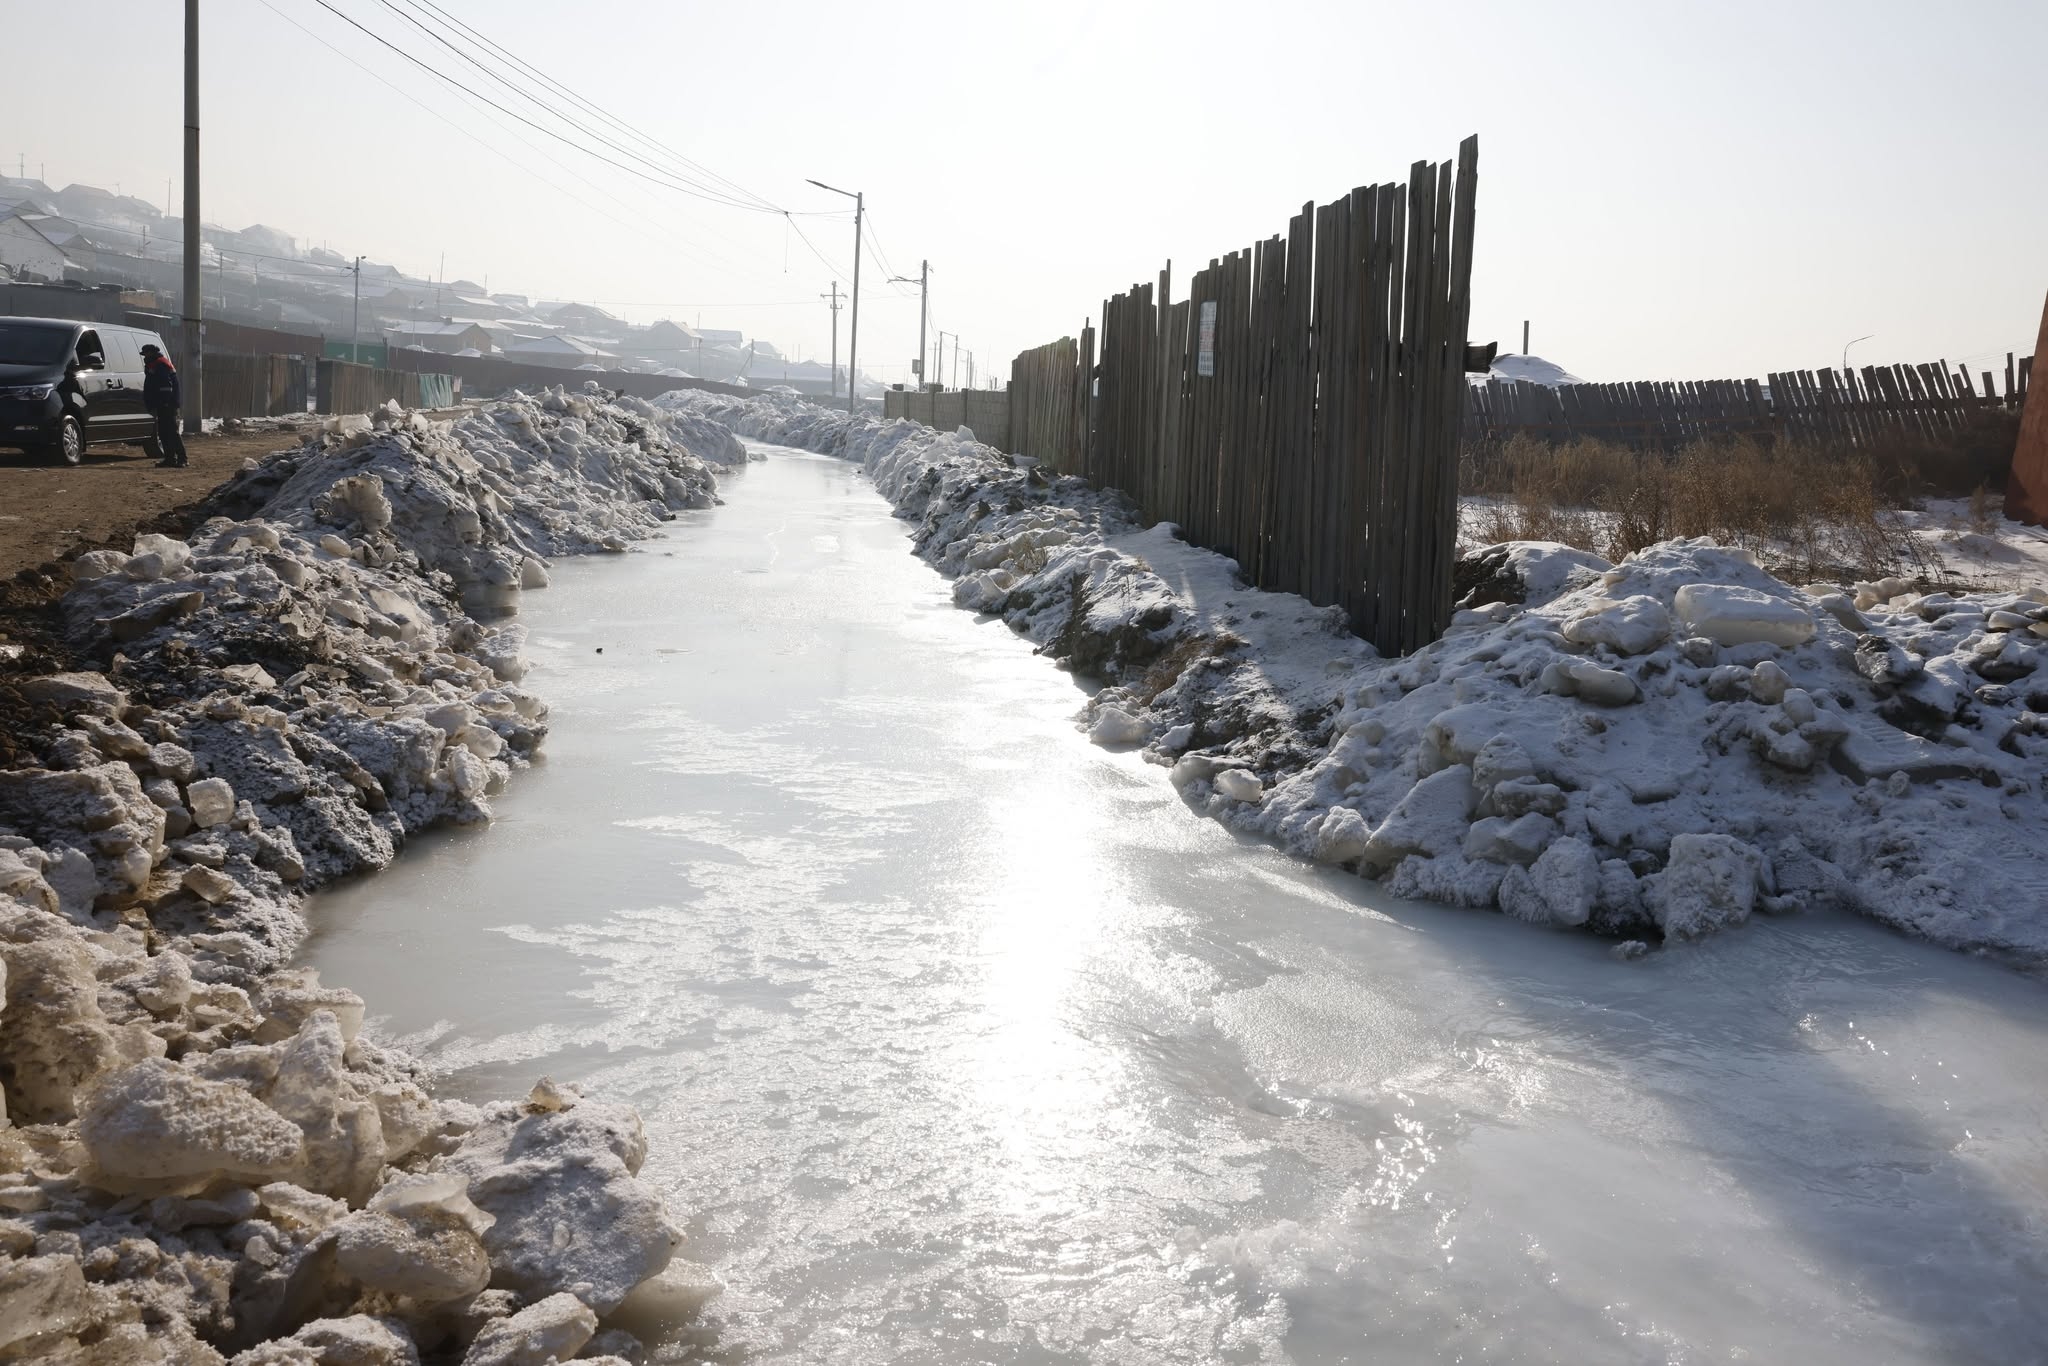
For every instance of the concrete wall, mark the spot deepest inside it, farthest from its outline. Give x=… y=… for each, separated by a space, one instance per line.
x=985 y=412
x=483 y=375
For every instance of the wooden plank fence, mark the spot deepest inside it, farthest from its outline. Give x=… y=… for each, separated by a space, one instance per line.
x=349 y=388
x=256 y=386
x=1827 y=407
x=1299 y=410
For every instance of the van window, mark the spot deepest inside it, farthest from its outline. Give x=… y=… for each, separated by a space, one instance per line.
x=124 y=352
x=24 y=343
x=89 y=346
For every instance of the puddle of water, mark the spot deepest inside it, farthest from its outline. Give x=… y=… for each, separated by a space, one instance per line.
x=959 y=1039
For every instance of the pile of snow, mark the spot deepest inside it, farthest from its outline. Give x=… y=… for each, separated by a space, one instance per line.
x=206 y=1154
x=1978 y=548
x=1533 y=369
x=1655 y=749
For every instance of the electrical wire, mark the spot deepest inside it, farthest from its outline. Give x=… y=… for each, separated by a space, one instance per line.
x=759 y=205
x=549 y=82
x=656 y=233
x=443 y=76
x=765 y=206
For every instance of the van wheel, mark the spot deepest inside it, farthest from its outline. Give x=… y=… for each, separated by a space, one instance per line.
x=152 y=447
x=70 y=447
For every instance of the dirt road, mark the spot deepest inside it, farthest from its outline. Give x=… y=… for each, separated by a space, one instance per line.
x=46 y=510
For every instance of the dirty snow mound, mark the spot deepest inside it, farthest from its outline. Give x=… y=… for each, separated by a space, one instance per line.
x=206 y=1154
x=1659 y=748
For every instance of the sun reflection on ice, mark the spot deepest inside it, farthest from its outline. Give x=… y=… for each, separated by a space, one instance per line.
x=1046 y=1090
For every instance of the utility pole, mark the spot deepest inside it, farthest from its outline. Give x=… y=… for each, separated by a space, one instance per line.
x=355 y=335
x=853 y=339
x=1525 y=336
x=834 y=297
x=939 y=354
x=924 y=283
x=194 y=319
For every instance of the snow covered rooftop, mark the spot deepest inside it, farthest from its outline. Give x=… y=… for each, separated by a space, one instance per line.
x=1534 y=369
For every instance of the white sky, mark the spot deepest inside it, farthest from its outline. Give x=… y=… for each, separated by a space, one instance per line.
x=1666 y=189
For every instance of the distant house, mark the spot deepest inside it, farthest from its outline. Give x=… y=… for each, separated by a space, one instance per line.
x=565 y=352
x=445 y=336
x=27 y=250
x=271 y=241
x=585 y=318
x=666 y=336
x=716 y=336
x=506 y=335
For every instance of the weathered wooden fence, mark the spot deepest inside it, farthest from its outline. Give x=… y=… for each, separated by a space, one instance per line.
x=1048 y=389
x=256 y=386
x=1299 y=410
x=1824 y=406
x=349 y=388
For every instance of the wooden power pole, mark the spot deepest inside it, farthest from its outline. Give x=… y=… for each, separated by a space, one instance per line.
x=194 y=324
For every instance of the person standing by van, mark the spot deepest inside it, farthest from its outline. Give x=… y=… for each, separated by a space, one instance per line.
x=160 y=394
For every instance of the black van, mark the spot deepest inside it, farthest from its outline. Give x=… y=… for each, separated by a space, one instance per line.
x=65 y=386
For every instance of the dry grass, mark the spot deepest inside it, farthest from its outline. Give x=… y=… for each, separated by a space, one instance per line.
x=1910 y=465
x=1807 y=513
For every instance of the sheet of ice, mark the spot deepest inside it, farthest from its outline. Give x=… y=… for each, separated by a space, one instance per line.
x=959 y=1040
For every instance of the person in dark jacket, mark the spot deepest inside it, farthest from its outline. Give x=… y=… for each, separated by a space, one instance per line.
x=160 y=395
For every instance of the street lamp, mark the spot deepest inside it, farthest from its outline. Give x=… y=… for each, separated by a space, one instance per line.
x=853 y=341
x=1845 y=350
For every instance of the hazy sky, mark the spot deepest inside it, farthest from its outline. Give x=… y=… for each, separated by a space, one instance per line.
x=1666 y=190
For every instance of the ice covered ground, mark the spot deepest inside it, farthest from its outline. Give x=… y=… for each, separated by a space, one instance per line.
x=199 y=1154
x=958 y=1041
x=1655 y=749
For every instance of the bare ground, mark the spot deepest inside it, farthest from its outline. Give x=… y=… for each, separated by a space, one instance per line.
x=49 y=511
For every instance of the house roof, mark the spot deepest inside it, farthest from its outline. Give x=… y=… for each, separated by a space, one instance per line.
x=433 y=329
x=559 y=346
x=34 y=223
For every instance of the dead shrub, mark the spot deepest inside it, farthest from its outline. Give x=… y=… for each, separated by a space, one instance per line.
x=1803 y=511
x=1910 y=465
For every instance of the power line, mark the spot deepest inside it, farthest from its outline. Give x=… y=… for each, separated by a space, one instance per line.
x=657 y=232
x=760 y=204
x=765 y=206
x=823 y=260
x=440 y=75
x=564 y=90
